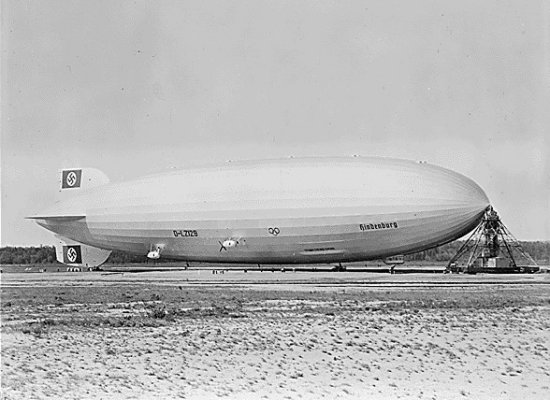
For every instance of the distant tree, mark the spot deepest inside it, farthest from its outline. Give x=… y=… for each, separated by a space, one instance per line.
x=120 y=257
x=27 y=255
x=538 y=250
x=6 y=257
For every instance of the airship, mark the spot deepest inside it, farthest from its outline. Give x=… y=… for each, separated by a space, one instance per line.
x=284 y=211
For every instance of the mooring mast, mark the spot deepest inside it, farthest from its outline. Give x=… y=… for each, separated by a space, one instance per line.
x=490 y=242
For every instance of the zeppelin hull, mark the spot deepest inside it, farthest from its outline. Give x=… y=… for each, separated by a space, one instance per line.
x=292 y=211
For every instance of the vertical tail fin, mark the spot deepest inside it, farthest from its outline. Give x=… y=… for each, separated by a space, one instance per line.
x=76 y=254
x=72 y=180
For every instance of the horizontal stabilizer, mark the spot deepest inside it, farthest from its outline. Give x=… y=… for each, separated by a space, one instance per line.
x=57 y=219
x=77 y=254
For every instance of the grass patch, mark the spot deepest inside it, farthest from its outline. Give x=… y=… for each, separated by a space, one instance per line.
x=36 y=312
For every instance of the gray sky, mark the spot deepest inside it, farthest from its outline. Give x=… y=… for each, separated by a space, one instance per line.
x=138 y=87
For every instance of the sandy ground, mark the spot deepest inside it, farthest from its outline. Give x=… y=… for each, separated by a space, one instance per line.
x=176 y=337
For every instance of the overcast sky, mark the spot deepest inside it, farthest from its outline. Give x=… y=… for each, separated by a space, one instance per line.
x=138 y=87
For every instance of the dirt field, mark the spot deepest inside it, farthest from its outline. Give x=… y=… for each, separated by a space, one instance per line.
x=273 y=335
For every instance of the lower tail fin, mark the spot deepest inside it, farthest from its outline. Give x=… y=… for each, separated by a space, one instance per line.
x=77 y=254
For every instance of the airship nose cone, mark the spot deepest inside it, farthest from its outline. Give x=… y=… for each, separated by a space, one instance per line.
x=459 y=201
x=427 y=187
x=464 y=190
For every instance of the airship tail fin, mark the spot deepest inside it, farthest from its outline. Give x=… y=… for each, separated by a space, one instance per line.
x=78 y=255
x=73 y=180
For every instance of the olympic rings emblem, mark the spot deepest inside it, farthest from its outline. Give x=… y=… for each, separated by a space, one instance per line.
x=274 y=231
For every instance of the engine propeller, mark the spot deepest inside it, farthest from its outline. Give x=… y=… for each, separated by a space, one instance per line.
x=228 y=244
x=154 y=254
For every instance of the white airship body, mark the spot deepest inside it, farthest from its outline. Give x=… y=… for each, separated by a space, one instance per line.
x=297 y=210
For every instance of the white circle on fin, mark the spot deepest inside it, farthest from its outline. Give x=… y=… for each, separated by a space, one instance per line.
x=71 y=178
x=71 y=254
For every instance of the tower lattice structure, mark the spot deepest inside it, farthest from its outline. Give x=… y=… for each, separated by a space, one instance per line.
x=491 y=240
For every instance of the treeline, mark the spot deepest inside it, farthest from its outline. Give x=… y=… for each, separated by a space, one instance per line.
x=46 y=255
x=540 y=251
x=27 y=255
x=441 y=253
